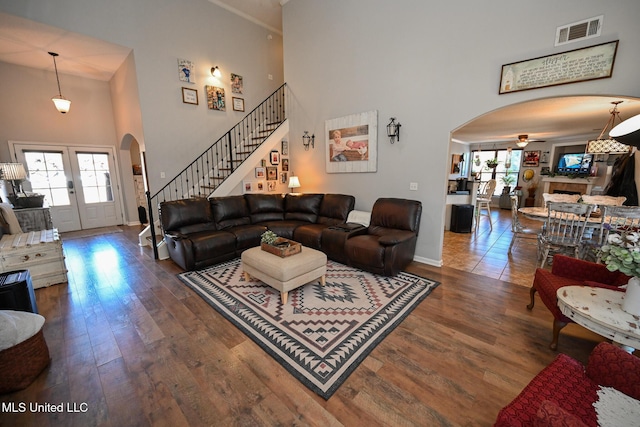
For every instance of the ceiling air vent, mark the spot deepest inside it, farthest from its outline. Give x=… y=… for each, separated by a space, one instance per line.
x=579 y=30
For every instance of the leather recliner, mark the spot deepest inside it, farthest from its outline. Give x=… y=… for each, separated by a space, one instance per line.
x=390 y=242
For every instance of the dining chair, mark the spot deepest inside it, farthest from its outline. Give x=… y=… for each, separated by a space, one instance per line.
x=519 y=231
x=559 y=198
x=603 y=200
x=483 y=201
x=564 y=229
x=614 y=219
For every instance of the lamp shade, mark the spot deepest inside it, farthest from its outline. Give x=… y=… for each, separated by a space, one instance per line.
x=294 y=182
x=628 y=132
x=62 y=104
x=12 y=171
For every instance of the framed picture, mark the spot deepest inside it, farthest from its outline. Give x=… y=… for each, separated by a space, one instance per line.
x=260 y=173
x=263 y=162
x=189 y=96
x=284 y=177
x=274 y=157
x=544 y=158
x=285 y=165
x=271 y=185
x=456 y=163
x=285 y=148
x=247 y=187
x=531 y=158
x=272 y=173
x=259 y=187
x=215 y=98
x=238 y=104
x=185 y=70
x=237 y=84
x=578 y=65
x=352 y=143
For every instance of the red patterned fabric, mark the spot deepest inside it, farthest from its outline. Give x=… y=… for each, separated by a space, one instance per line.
x=563 y=382
x=551 y=415
x=610 y=366
x=567 y=271
x=566 y=384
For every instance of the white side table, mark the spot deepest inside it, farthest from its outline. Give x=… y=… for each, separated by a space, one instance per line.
x=600 y=310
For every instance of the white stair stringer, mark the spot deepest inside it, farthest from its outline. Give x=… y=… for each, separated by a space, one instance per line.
x=144 y=239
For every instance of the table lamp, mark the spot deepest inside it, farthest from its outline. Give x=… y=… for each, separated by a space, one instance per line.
x=15 y=173
x=294 y=182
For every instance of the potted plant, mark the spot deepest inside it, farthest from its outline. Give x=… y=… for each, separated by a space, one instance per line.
x=268 y=237
x=508 y=180
x=491 y=163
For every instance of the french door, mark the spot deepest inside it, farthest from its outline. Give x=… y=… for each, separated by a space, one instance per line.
x=79 y=183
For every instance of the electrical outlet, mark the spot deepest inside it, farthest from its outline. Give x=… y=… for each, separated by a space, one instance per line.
x=162 y=175
x=413 y=186
x=270 y=76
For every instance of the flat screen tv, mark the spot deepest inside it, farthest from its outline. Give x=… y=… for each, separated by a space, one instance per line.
x=578 y=163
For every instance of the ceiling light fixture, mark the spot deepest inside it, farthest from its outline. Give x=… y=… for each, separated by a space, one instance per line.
x=215 y=72
x=62 y=104
x=523 y=141
x=628 y=132
x=604 y=145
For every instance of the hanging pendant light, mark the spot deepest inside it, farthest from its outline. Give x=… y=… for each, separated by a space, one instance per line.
x=62 y=104
x=608 y=145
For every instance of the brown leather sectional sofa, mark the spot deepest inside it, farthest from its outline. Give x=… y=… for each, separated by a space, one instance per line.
x=203 y=232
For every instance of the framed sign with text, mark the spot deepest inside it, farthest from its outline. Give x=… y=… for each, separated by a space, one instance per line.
x=589 y=63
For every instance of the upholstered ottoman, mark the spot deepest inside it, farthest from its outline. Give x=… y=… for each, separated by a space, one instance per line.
x=23 y=349
x=285 y=274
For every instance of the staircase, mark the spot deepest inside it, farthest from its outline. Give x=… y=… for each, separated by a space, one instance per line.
x=223 y=165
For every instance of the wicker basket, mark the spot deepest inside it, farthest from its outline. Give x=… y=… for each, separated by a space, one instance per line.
x=22 y=363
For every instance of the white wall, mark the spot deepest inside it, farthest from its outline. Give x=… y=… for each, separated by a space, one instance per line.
x=433 y=66
x=160 y=32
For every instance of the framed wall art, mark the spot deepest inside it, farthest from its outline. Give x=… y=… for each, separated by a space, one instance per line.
x=272 y=173
x=185 y=70
x=189 y=96
x=352 y=143
x=284 y=177
x=215 y=98
x=271 y=185
x=237 y=84
x=531 y=158
x=285 y=165
x=579 y=65
x=274 y=157
x=260 y=173
x=238 y=104
x=285 y=147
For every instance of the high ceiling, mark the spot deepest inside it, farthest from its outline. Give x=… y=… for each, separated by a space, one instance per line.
x=24 y=42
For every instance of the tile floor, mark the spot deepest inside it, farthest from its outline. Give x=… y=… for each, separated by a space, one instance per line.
x=486 y=252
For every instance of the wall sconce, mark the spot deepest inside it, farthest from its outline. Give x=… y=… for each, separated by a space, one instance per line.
x=215 y=72
x=62 y=104
x=308 y=140
x=393 y=130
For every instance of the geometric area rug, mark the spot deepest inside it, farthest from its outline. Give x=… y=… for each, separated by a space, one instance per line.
x=321 y=334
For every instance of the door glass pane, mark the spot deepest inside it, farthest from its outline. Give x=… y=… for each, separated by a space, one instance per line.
x=46 y=174
x=96 y=177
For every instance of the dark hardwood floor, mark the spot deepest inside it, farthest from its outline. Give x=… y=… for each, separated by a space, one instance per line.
x=139 y=348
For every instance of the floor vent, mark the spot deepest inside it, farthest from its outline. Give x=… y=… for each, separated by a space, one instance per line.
x=580 y=30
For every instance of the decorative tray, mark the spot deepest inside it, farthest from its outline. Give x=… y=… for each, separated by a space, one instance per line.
x=282 y=247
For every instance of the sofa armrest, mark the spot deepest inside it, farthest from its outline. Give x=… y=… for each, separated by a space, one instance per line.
x=611 y=366
x=174 y=235
x=396 y=237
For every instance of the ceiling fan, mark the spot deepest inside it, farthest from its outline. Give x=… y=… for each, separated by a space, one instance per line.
x=523 y=140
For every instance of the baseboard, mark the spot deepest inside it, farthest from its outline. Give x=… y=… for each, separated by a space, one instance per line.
x=428 y=261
